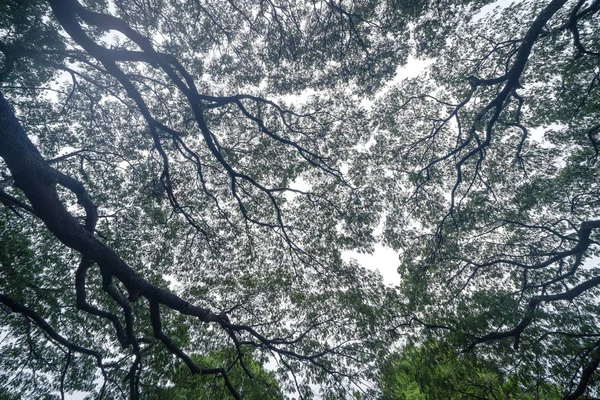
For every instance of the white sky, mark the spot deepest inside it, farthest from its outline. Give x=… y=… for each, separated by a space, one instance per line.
x=383 y=259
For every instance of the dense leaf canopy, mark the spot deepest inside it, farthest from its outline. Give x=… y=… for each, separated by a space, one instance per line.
x=436 y=371
x=180 y=181
x=491 y=167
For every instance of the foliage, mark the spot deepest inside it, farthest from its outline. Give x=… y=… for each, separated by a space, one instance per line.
x=489 y=161
x=164 y=190
x=436 y=371
x=251 y=380
x=182 y=178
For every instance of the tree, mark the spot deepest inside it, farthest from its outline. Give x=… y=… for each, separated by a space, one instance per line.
x=253 y=382
x=162 y=198
x=181 y=178
x=489 y=162
x=436 y=371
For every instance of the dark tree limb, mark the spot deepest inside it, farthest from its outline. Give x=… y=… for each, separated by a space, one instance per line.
x=83 y=305
x=586 y=373
x=30 y=314
x=172 y=347
x=38 y=181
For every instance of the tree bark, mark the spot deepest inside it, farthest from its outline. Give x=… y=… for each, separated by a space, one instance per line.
x=38 y=182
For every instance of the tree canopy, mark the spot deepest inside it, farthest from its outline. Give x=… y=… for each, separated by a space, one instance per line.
x=495 y=192
x=180 y=181
x=435 y=371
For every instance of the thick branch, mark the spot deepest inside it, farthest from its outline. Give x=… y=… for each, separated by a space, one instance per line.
x=586 y=374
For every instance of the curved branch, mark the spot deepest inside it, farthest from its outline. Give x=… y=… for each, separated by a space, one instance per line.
x=17 y=307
